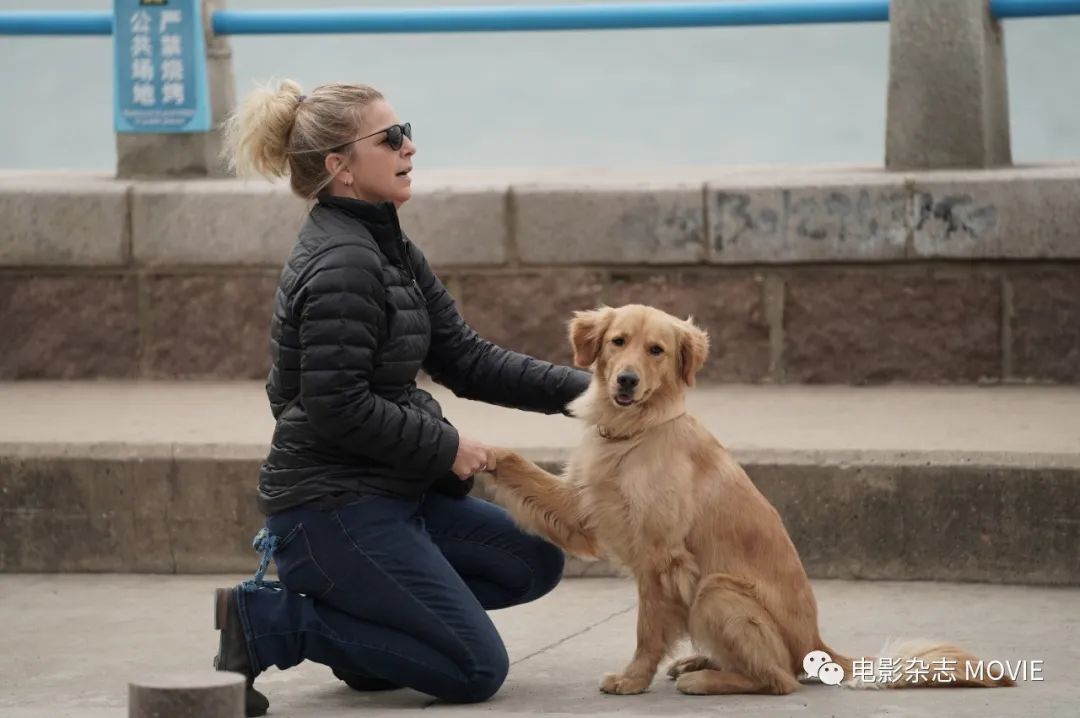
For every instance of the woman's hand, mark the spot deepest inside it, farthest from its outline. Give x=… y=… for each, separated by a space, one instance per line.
x=472 y=456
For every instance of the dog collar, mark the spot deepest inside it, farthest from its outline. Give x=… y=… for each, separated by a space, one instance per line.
x=606 y=433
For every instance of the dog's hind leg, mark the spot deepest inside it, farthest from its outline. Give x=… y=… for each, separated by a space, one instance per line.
x=689 y=664
x=728 y=620
x=710 y=682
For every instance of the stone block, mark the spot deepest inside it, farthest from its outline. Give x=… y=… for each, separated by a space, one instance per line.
x=458 y=228
x=528 y=312
x=611 y=225
x=214 y=222
x=996 y=215
x=864 y=222
x=1045 y=325
x=230 y=486
x=74 y=514
x=874 y=327
x=63 y=222
x=948 y=92
x=194 y=694
x=69 y=327
x=730 y=308
x=208 y=325
x=934 y=522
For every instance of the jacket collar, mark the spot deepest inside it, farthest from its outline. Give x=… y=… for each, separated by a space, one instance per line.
x=380 y=219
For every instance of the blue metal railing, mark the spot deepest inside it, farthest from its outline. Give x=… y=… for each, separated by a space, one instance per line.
x=518 y=18
x=59 y=22
x=1005 y=9
x=615 y=16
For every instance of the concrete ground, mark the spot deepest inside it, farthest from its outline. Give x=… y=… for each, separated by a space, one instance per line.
x=70 y=643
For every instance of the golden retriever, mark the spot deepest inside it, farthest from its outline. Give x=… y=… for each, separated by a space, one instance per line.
x=651 y=488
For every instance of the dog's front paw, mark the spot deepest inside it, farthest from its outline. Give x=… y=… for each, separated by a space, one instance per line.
x=500 y=458
x=623 y=684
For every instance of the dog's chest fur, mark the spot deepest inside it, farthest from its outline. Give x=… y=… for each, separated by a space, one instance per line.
x=631 y=499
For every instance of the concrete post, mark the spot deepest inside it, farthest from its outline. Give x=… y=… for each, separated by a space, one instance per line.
x=201 y=694
x=948 y=96
x=186 y=154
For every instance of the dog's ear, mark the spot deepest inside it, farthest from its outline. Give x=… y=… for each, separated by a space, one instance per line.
x=587 y=331
x=693 y=348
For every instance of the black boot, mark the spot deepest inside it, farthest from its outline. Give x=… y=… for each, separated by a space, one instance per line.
x=232 y=649
x=360 y=682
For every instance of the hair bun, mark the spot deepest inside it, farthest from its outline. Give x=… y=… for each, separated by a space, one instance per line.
x=257 y=134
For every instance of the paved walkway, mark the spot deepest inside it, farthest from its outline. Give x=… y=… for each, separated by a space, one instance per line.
x=70 y=644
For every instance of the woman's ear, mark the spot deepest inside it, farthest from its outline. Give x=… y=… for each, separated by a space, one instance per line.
x=693 y=348
x=336 y=166
x=587 y=330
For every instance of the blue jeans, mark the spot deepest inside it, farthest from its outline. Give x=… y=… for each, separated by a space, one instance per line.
x=397 y=590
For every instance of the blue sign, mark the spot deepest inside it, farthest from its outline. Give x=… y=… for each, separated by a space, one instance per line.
x=161 y=83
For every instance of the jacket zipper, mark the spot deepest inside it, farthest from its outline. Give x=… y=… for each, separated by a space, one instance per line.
x=408 y=264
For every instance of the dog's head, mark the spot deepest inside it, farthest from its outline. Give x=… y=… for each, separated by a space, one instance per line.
x=638 y=352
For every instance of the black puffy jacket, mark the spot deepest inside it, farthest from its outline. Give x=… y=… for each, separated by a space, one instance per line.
x=358 y=313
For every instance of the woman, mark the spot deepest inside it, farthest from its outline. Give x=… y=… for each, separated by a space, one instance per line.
x=386 y=565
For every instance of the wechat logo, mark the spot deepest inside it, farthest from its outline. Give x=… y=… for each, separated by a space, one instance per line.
x=820 y=665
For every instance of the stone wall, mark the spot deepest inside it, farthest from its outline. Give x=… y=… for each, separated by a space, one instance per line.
x=799 y=275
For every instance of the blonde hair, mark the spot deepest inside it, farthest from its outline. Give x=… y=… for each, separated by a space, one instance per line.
x=279 y=132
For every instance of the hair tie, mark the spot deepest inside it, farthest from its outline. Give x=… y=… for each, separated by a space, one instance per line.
x=301 y=98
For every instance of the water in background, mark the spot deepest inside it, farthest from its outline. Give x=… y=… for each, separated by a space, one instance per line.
x=799 y=94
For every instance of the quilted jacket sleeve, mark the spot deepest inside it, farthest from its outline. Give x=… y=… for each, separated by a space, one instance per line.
x=340 y=306
x=474 y=368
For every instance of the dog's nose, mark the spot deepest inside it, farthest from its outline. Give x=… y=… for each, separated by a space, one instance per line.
x=627 y=380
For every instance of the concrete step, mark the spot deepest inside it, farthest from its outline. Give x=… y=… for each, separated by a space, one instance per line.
x=937 y=483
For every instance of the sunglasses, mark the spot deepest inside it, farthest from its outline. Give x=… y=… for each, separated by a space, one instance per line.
x=395 y=136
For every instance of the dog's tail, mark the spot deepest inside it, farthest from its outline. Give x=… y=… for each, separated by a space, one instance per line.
x=917 y=663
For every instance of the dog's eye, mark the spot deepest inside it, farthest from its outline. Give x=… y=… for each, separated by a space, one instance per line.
x=656 y=350
x=618 y=341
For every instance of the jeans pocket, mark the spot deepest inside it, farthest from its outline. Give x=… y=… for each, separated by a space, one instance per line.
x=297 y=567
